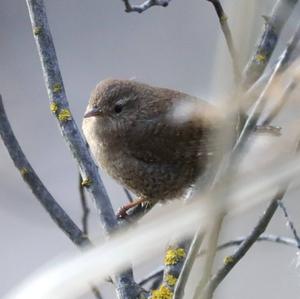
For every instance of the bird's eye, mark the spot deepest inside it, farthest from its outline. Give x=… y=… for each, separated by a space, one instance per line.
x=118 y=108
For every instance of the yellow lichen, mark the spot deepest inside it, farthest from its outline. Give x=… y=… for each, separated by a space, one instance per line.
x=170 y=280
x=86 y=182
x=174 y=255
x=64 y=115
x=228 y=260
x=223 y=19
x=24 y=171
x=57 y=87
x=260 y=57
x=37 y=30
x=53 y=107
x=162 y=293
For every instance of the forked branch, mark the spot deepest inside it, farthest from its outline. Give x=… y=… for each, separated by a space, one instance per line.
x=60 y=108
x=56 y=212
x=126 y=287
x=244 y=246
x=268 y=40
x=145 y=5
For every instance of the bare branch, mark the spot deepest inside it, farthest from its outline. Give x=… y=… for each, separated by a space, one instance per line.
x=204 y=290
x=173 y=264
x=223 y=19
x=84 y=205
x=56 y=212
x=245 y=245
x=145 y=5
x=268 y=41
x=235 y=242
x=255 y=90
x=268 y=238
x=59 y=105
x=261 y=101
x=290 y=223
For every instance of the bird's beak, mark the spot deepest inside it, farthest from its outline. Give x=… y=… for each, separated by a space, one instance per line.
x=93 y=112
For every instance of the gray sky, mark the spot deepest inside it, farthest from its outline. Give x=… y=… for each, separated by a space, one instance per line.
x=173 y=47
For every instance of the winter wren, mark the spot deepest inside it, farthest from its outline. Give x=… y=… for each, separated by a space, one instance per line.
x=154 y=141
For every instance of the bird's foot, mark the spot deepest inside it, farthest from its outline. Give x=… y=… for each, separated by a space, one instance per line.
x=122 y=212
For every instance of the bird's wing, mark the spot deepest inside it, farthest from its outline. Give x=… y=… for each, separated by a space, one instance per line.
x=173 y=138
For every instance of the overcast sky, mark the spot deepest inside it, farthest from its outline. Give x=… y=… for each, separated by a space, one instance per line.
x=173 y=47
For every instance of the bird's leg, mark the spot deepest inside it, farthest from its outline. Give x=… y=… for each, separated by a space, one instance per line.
x=122 y=212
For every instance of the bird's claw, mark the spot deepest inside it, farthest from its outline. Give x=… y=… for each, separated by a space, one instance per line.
x=122 y=212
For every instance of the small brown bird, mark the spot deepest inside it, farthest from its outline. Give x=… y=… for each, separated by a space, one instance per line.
x=154 y=141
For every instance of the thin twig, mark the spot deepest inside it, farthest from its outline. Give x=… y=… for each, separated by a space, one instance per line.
x=268 y=40
x=203 y=290
x=84 y=205
x=145 y=5
x=235 y=242
x=290 y=223
x=188 y=264
x=56 y=212
x=255 y=90
x=262 y=238
x=261 y=102
x=245 y=245
x=268 y=238
x=59 y=105
x=223 y=19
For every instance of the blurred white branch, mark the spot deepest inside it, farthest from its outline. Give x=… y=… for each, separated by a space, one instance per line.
x=270 y=238
x=204 y=289
x=71 y=277
x=188 y=264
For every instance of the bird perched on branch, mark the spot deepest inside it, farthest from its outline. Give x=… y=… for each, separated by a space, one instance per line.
x=154 y=141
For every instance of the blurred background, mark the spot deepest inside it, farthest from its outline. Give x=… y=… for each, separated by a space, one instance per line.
x=175 y=47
